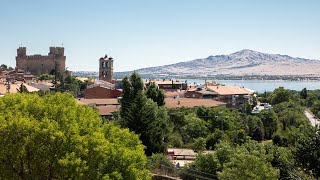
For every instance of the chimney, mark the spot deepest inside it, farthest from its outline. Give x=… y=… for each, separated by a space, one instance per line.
x=178 y=102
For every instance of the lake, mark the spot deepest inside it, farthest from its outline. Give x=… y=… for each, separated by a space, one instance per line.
x=263 y=85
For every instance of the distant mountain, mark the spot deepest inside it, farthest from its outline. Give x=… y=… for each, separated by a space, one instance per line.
x=241 y=63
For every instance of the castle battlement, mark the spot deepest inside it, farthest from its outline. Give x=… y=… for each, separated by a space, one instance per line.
x=39 y=64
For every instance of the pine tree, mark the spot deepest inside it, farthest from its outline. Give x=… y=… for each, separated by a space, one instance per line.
x=304 y=93
x=141 y=115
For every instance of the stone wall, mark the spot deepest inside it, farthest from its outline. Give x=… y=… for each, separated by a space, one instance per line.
x=40 y=64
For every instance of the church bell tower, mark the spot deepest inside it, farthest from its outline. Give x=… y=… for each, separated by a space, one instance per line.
x=106 y=68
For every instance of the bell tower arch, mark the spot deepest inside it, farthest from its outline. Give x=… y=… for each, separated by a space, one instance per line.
x=106 y=68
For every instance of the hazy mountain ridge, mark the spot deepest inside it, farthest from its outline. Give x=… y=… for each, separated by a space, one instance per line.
x=241 y=63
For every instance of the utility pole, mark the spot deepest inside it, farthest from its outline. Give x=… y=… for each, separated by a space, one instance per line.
x=245 y=97
x=245 y=121
x=8 y=84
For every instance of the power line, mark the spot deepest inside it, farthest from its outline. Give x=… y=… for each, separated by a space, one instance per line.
x=192 y=174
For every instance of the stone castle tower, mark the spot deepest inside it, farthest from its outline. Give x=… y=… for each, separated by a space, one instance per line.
x=106 y=68
x=38 y=64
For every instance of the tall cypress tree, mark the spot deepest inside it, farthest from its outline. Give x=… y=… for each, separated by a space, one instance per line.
x=141 y=115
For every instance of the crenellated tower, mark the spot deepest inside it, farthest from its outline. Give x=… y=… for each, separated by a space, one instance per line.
x=41 y=64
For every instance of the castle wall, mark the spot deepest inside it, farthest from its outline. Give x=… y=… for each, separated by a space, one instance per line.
x=39 y=64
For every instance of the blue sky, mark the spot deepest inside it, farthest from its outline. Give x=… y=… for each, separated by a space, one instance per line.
x=143 y=33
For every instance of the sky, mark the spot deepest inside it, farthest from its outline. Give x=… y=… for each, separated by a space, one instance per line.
x=144 y=33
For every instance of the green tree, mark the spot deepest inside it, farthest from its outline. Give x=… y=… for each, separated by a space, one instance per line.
x=143 y=116
x=215 y=137
x=280 y=95
x=244 y=165
x=221 y=118
x=175 y=140
x=270 y=122
x=315 y=108
x=22 y=89
x=304 y=93
x=199 y=144
x=250 y=161
x=43 y=77
x=4 y=67
x=177 y=117
x=255 y=128
x=52 y=137
x=307 y=151
x=194 y=128
x=205 y=166
x=156 y=94
x=160 y=162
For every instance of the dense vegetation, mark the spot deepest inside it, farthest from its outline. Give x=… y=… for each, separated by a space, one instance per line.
x=52 y=137
x=282 y=143
x=277 y=143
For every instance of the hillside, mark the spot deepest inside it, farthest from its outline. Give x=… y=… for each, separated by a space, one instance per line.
x=241 y=63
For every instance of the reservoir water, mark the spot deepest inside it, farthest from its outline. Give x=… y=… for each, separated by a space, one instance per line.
x=262 y=85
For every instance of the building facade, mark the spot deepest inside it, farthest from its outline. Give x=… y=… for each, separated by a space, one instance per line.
x=233 y=96
x=106 y=68
x=101 y=90
x=41 y=64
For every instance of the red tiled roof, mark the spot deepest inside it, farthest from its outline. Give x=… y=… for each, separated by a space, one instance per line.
x=14 y=87
x=191 y=102
x=166 y=82
x=99 y=101
x=107 y=110
x=229 y=90
x=174 y=93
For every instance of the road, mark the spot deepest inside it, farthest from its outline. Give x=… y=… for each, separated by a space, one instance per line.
x=313 y=120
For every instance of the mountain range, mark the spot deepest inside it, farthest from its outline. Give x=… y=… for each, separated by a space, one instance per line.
x=242 y=63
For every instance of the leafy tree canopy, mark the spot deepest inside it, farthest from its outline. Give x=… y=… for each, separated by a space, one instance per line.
x=52 y=137
x=156 y=94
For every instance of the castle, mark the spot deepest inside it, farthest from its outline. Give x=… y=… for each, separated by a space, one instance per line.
x=39 y=64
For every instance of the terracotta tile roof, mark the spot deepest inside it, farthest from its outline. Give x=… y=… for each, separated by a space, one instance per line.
x=186 y=152
x=174 y=93
x=182 y=152
x=206 y=91
x=29 y=75
x=229 y=90
x=111 y=101
x=14 y=87
x=101 y=83
x=191 y=102
x=107 y=110
x=166 y=82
